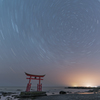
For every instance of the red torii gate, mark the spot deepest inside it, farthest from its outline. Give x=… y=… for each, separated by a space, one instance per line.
x=34 y=77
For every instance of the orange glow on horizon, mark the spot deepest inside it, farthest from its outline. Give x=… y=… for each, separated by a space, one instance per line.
x=89 y=86
x=82 y=80
x=75 y=78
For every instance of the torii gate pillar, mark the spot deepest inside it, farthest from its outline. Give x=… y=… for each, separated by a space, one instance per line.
x=34 y=77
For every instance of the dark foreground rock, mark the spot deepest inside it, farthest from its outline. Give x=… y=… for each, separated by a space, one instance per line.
x=7 y=93
x=62 y=92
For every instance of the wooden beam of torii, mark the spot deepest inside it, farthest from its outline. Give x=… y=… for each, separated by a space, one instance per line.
x=34 y=77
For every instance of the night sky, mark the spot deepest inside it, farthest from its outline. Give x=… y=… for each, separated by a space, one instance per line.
x=59 y=38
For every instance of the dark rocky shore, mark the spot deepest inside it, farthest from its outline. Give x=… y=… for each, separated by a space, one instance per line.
x=56 y=97
x=71 y=97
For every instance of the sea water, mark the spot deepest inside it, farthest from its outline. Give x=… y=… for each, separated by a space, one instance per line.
x=48 y=90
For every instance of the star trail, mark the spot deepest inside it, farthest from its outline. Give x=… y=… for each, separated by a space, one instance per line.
x=59 y=38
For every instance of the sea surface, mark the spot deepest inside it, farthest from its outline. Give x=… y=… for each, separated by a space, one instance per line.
x=48 y=90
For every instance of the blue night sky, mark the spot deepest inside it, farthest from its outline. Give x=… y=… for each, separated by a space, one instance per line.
x=59 y=38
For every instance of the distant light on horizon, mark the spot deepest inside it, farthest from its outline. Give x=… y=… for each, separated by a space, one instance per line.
x=88 y=85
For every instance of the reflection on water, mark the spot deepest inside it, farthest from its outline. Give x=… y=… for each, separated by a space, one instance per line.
x=86 y=93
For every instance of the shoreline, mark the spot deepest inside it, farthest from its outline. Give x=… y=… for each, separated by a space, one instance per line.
x=67 y=96
x=53 y=94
